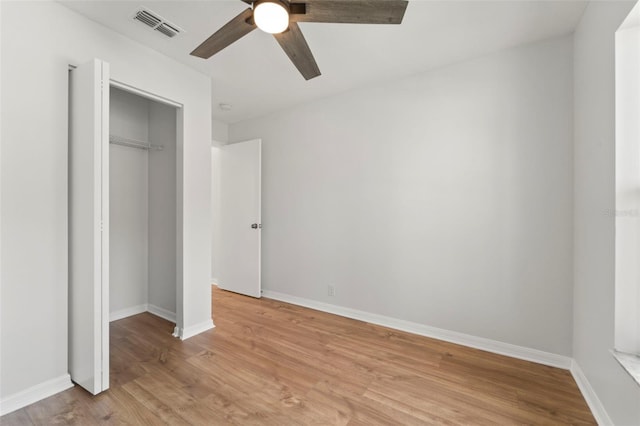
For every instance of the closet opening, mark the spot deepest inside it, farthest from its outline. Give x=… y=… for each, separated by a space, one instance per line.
x=143 y=213
x=125 y=213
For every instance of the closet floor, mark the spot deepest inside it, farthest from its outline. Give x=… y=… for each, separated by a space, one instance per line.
x=271 y=363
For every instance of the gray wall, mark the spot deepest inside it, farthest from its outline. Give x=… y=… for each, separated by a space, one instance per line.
x=216 y=244
x=444 y=199
x=128 y=203
x=219 y=131
x=162 y=207
x=594 y=200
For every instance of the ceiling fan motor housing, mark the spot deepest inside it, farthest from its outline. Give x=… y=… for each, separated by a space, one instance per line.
x=271 y=16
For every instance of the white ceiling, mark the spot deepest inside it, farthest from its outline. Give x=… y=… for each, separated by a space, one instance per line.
x=256 y=77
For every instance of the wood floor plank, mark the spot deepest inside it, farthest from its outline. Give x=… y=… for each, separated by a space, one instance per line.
x=65 y=408
x=18 y=417
x=161 y=409
x=272 y=363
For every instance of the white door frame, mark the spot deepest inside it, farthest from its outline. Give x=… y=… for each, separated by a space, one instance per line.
x=179 y=187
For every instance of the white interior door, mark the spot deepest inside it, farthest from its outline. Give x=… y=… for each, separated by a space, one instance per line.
x=240 y=220
x=89 y=226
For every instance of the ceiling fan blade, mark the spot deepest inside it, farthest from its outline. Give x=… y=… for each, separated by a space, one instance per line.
x=349 y=11
x=295 y=46
x=233 y=31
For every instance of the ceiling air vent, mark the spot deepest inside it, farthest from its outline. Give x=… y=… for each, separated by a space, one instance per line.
x=156 y=22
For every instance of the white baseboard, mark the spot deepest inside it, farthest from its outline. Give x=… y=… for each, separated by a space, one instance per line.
x=34 y=394
x=514 y=351
x=127 y=312
x=594 y=403
x=147 y=307
x=162 y=313
x=186 y=332
x=214 y=281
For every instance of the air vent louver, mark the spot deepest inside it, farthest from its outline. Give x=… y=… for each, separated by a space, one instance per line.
x=147 y=18
x=157 y=23
x=168 y=30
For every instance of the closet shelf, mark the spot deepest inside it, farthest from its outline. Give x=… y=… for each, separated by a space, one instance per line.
x=132 y=143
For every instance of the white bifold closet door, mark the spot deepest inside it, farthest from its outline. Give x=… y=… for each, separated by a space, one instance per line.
x=240 y=217
x=89 y=226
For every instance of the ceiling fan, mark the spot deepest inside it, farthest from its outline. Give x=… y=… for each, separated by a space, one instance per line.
x=281 y=17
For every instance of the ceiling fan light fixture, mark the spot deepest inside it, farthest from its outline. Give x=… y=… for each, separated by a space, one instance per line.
x=271 y=16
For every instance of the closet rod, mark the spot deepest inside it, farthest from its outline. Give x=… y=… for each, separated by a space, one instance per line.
x=132 y=143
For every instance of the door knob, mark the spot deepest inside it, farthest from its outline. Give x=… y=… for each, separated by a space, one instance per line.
x=255 y=226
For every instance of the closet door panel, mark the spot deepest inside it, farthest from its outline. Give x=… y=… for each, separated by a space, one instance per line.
x=89 y=226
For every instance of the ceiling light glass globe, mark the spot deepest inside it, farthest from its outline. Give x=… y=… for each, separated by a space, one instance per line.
x=271 y=17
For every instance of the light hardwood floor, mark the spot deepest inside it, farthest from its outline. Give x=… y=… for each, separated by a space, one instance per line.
x=271 y=363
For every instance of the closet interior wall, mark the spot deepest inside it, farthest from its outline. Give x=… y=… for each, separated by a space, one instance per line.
x=142 y=210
